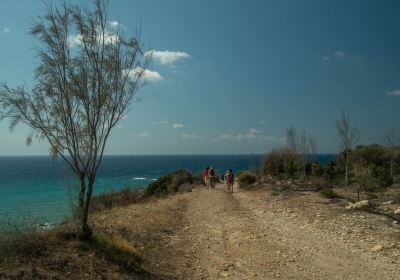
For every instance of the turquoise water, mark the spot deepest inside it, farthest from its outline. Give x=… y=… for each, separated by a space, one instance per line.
x=41 y=187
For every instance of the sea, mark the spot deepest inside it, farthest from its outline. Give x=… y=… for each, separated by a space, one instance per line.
x=43 y=189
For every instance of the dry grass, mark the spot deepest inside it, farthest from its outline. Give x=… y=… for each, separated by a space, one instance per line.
x=117 y=250
x=114 y=199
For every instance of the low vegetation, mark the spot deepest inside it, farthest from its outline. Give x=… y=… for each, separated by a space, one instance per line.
x=116 y=249
x=29 y=249
x=116 y=199
x=22 y=239
x=328 y=193
x=246 y=178
x=178 y=181
x=370 y=169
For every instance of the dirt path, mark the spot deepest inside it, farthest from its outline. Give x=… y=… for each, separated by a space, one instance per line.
x=236 y=236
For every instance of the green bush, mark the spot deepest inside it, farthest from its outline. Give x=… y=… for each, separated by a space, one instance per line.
x=328 y=193
x=171 y=183
x=246 y=178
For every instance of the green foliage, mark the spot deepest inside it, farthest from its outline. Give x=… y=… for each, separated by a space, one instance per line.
x=328 y=193
x=332 y=172
x=171 y=183
x=246 y=178
x=291 y=165
x=377 y=158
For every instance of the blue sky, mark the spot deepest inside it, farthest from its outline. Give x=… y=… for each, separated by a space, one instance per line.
x=231 y=76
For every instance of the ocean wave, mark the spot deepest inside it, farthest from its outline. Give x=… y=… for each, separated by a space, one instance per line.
x=139 y=178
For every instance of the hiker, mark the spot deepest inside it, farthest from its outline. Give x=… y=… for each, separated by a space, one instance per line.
x=230 y=178
x=226 y=179
x=211 y=175
x=206 y=176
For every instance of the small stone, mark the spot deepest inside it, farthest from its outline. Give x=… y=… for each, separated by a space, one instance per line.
x=397 y=211
x=387 y=202
x=377 y=248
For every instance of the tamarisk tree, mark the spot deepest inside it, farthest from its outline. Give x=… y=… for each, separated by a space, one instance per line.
x=86 y=79
x=392 y=140
x=349 y=136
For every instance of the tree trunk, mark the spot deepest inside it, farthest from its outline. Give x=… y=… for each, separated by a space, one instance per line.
x=391 y=167
x=347 y=168
x=82 y=190
x=86 y=230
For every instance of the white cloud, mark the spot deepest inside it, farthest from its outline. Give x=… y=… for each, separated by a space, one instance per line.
x=190 y=136
x=395 y=92
x=335 y=54
x=148 y=75
x=156 y=123
x=143 y=135
x=151 y=76
x=178 y=125
x=109 y=38
x=339 y=54
x=167 y=57
x=227 y=136
x=114 y=24
x=74 y=40
x=254 y=131
x=6 y=30
x=252 y=135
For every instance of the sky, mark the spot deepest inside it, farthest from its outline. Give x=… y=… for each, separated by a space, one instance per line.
x=230 y=76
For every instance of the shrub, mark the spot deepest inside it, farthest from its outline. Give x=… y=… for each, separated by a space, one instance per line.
x=22 y=237
x=246 y=178
x=328 y=193
x=272 y=163
x=171 y=183
x=115 y=199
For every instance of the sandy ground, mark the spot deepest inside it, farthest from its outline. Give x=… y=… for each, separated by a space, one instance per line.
x=213 y=234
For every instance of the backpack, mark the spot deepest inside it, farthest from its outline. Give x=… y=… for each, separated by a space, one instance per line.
x=211 y=172
x=230 y=177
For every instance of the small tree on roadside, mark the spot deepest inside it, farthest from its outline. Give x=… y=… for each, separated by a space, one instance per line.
x=349 y=136
x=313 y=147
x=304 y=151
x=86 y=79
x=363 y=177
x=392 y=140
x=292 y=139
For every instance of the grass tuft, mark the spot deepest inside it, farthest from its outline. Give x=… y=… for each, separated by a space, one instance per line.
x=116 y=249
x=328 y=193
